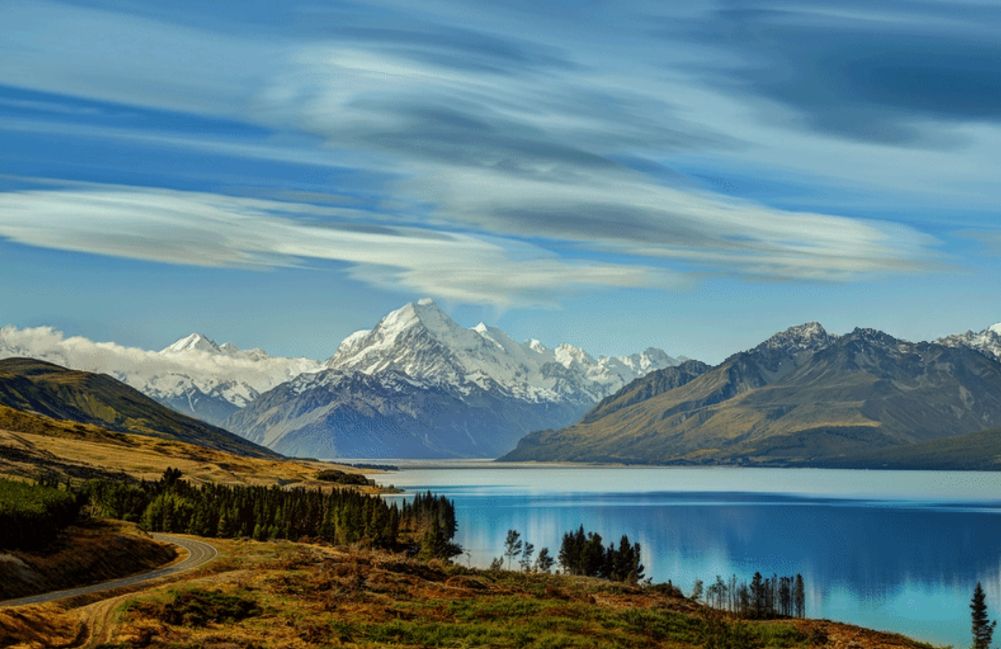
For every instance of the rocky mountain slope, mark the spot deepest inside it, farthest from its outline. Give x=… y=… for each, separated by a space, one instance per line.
x=420 y=385
x=802 y=397
x=42 y=388
x=987 y=341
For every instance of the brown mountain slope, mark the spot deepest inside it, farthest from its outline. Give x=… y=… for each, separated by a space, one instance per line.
x=33 y=445
x=802 y=397
x=47 y=389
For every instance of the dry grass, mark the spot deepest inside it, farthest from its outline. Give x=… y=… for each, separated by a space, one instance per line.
x=32 y=444
x=304 y=596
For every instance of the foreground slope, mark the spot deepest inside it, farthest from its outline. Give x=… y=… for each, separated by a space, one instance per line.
x=56 y=392
x=801 y=397
x=297 y=595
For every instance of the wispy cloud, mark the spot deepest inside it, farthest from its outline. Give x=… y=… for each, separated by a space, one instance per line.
x=501 y=145
x=212 y=230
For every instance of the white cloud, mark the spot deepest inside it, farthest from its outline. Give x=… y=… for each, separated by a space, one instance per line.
x=157 y=374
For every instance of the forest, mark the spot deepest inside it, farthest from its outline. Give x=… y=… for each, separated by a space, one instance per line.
x=424 y=526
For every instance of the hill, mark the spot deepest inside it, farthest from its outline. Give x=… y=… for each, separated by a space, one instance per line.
x=59 y=393
x=803 y=397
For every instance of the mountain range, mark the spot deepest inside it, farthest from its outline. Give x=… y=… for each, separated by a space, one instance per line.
x=415 y=385
x=420 y=385
x=802 y=397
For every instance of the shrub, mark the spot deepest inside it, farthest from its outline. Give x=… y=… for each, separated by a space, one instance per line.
x=203 y=607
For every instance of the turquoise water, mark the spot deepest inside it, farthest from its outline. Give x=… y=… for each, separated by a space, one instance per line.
x=897 y=551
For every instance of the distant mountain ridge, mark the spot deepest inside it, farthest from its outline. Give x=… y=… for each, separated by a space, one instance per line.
x=34 y=386
x=802 y=397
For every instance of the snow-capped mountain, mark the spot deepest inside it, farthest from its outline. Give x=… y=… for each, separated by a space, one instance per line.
x=194 y=375
x=418 y=384
x=423 y=342
x=987 y=341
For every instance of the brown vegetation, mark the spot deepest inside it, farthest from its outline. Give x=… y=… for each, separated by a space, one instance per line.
x=32 y=445
x=296 y=595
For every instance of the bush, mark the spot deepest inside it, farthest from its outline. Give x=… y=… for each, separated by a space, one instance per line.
x=340 y=477
x=203 y=607
x=32 y=515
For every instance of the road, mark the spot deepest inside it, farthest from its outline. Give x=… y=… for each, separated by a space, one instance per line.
x=199 y=553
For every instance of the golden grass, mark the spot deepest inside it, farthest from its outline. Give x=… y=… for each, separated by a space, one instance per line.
x=32 y=444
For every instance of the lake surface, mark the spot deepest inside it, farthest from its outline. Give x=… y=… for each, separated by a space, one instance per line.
x=898 y=551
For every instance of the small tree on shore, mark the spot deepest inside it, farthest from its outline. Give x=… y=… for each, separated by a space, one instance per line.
x=982 y=626
x=527 y=554
x=512 y=546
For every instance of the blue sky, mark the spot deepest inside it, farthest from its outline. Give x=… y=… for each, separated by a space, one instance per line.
x=693 y=176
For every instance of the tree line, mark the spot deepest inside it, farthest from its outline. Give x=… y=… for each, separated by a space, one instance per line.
x=761 y=598
x=424 y=526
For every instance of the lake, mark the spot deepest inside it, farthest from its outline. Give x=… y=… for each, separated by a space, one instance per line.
x=897 y=551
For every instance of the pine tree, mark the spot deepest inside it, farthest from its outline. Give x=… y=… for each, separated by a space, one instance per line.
x=983 y=627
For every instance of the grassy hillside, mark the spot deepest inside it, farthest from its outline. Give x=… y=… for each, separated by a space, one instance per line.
x=33 y=445
x=35 y=386
x=971 y=452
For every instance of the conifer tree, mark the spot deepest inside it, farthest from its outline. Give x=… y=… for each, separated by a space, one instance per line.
x=983 y=627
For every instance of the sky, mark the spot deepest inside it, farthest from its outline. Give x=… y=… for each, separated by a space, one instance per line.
x=693 y=176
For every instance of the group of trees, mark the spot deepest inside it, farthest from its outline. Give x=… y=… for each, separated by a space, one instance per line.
x=581 y=553
x=32 y=514
x=761 y=598
x=426 y=525
x=522 y=552
x=585 y=554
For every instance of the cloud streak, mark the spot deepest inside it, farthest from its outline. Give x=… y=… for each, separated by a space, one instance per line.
x=212 y=230
x=497 y=148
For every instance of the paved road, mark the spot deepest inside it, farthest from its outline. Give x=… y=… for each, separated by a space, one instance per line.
x=199 y=553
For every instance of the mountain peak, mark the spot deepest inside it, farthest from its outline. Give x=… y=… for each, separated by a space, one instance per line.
x=193 y=342
x=807 y=336
x=996 y=329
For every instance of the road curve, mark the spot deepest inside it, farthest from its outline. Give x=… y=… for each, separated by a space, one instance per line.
x=199 y=553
